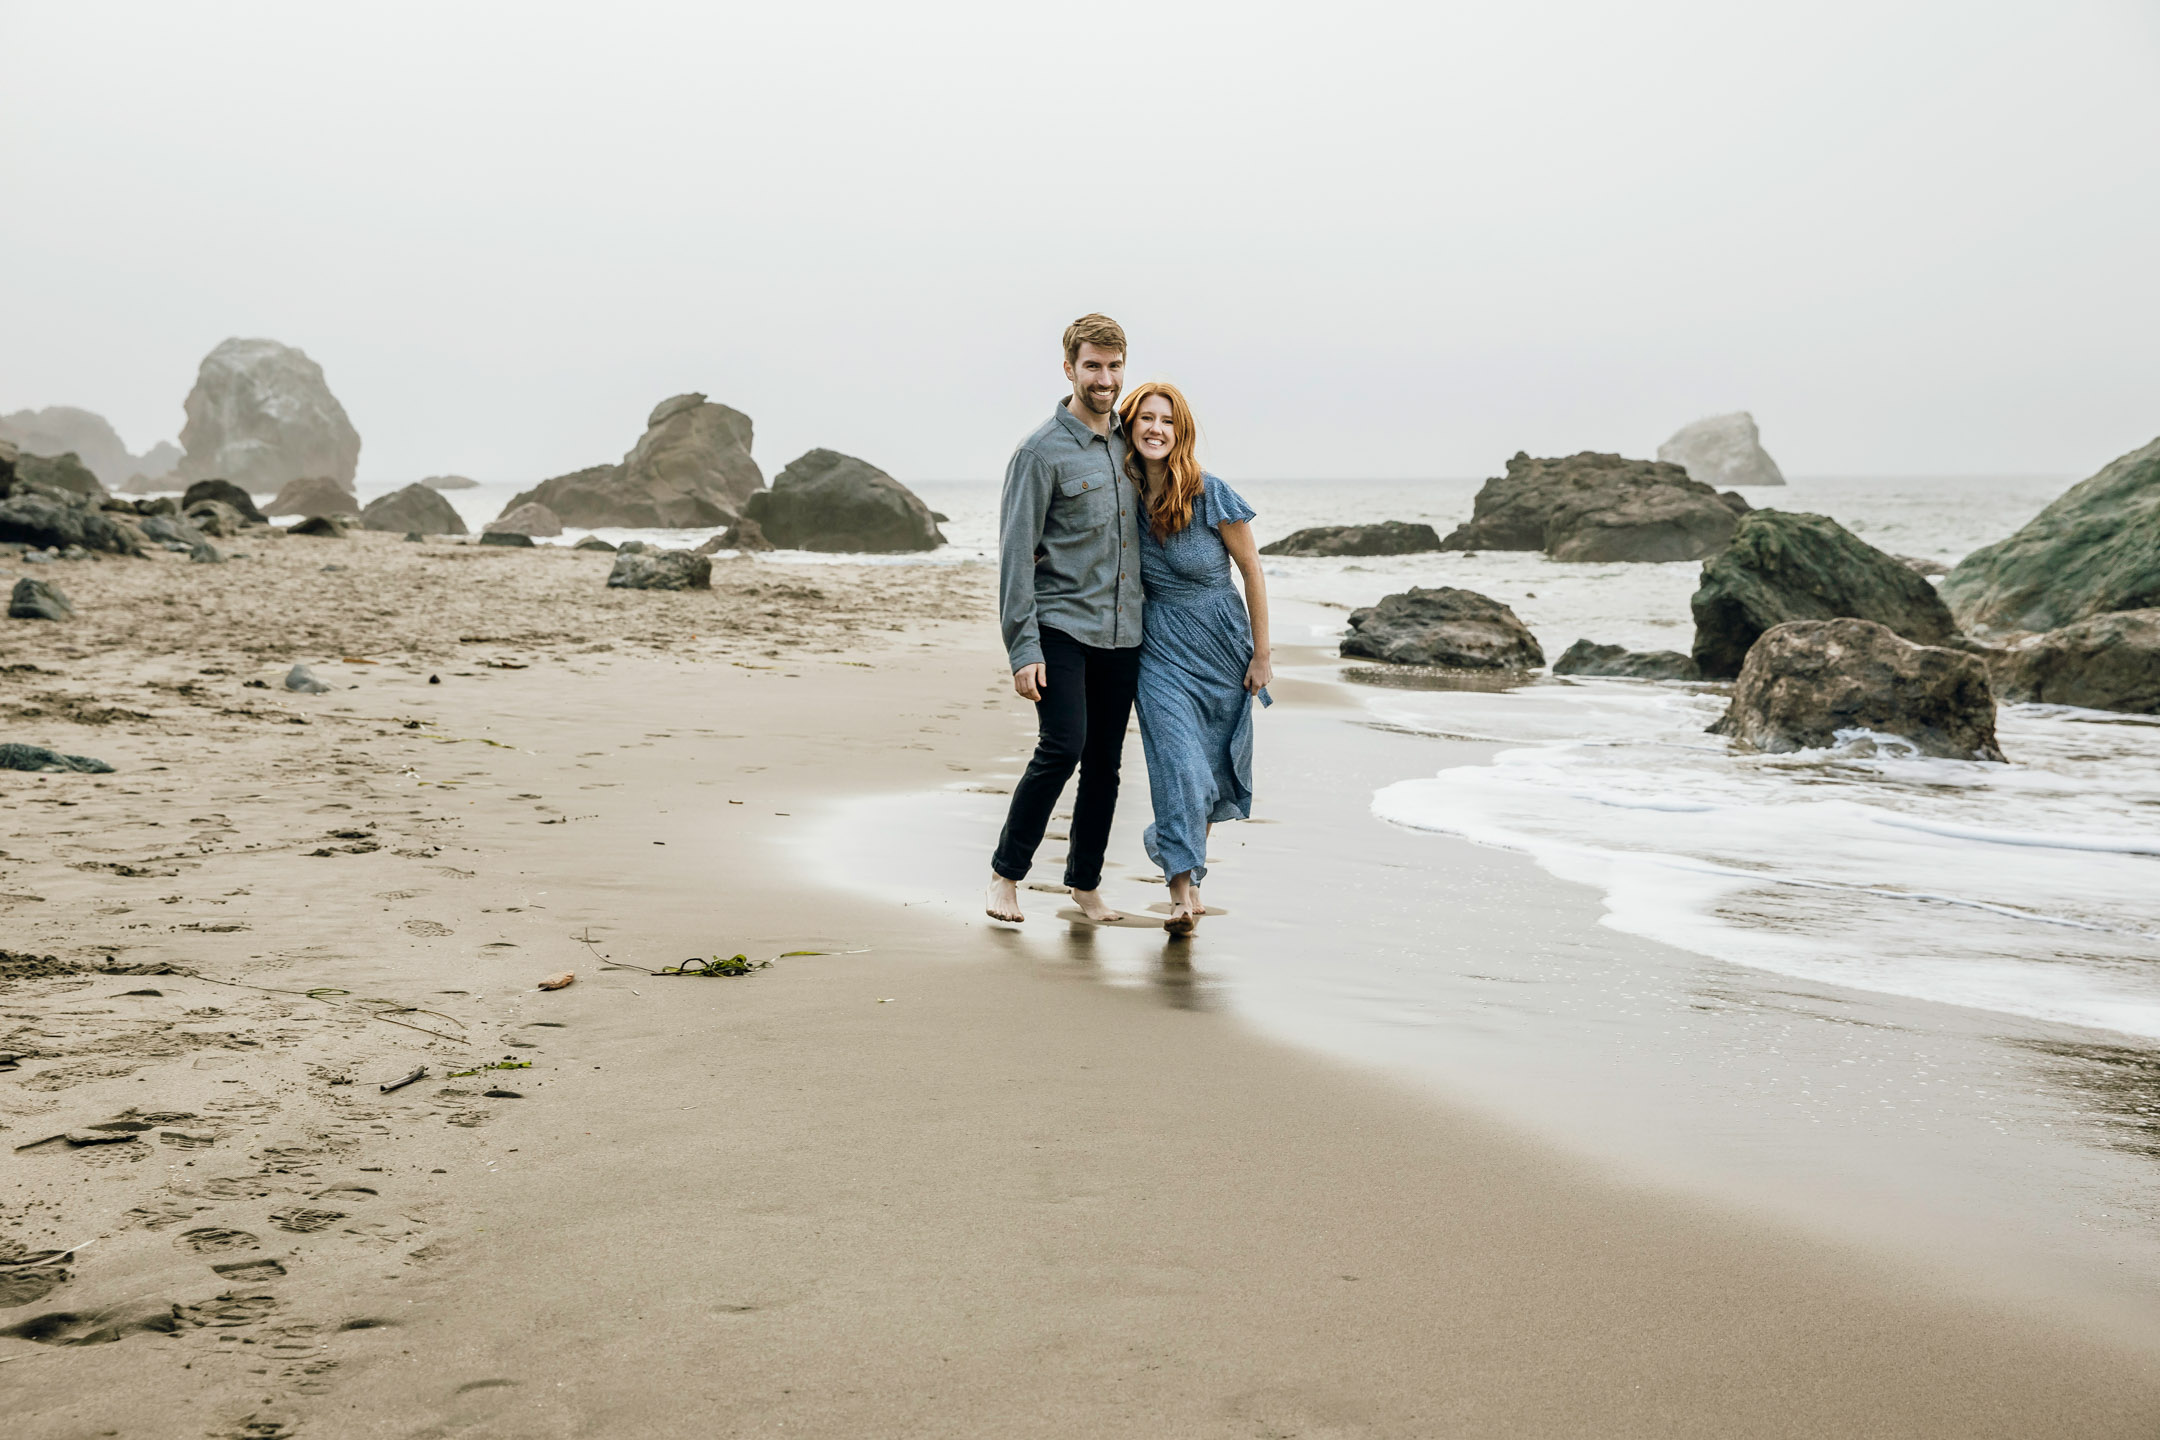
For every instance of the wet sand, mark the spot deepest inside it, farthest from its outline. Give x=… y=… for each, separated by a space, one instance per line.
x=932 y=1186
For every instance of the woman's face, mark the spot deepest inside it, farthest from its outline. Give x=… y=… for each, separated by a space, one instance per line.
x=1153 y=429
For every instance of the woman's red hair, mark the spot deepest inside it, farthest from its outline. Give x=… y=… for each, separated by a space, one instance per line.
x=1170 y=511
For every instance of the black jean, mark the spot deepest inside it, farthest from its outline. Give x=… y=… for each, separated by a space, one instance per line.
x=1085 y=704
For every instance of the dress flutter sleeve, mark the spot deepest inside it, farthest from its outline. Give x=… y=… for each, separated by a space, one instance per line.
x=1220 y=505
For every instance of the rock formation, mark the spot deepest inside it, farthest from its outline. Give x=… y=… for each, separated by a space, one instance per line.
x=2095 y=549
x=2110 y=662
x=215 y=518
x=660 y=570
x=594 y=542
x=506 y=537
x=828 y=501
x=63 y=429
x=690 y=469
x=38 y=600
x=1585 y=658
x=1593 y=507
x=323 y=527
x=62 y=472
x=226 y=493
x=1443 y=626
x=414 y=508
x=1785 y=566
x=37 y=515
x=171 y=530
x=745 y=535
x=1805 y=681
x=450 y=482
x=531 y=518
x=261 y=415
x=314 y=496
x=1389 y=537
x=1722 y=450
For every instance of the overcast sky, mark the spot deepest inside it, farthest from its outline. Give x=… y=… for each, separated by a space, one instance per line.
x=1369 y=240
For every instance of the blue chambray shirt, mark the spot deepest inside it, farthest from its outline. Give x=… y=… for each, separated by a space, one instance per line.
x=1068 y=540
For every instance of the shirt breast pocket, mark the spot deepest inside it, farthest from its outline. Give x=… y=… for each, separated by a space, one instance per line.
x=1086 y=502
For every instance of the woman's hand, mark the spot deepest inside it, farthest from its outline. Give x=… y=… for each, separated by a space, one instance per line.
x=1259 y=674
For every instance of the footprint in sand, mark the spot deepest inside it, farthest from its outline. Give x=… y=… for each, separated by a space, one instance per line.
x=216 y=1240
x=250 y=1270
x=303 y=1220
x=30 y=1283
x=426 y=927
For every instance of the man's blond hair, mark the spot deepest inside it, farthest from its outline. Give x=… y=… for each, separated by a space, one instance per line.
x=1093 y=330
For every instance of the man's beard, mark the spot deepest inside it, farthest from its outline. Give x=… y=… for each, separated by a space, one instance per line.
x=1102 y=403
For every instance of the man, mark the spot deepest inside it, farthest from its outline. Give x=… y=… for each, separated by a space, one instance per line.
x=1069 y=604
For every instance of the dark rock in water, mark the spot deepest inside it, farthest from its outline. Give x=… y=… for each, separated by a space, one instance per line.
x=414 y=537
x=2095 y=549
x=450 y=482
x=593 y=542
x=1593 y=507
x=227 y=493
x=1785 y=566
x=832 y=502
x=1443 y=626
x=2110 y=662
x=1807 y=680
x=1735 y=501
x=262 y=414
x=64 y=473
x=206 y=554
x=1584 y=658
x=37 y=757
x=168 y=530
x=746 y=535
x=530 y=518
x=661 y=570
x=302 y=679
x=39 y=519
x=326 y=527
x=690 y=469
x=315 y=496
x=1722 y=450
x=633 y=547
x=506 y=537
x=416 y=508
x=38 y=600
x=1389 y=537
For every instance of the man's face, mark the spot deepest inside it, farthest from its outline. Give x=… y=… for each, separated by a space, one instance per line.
x=1097 y=374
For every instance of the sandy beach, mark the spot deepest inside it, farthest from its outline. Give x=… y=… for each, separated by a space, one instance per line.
x=937 y=1179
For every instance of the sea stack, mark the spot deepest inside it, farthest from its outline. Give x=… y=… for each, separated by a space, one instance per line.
x=261 y=415
x=1722 y=451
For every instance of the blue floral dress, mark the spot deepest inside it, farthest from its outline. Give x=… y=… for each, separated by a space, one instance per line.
x=1195 y=717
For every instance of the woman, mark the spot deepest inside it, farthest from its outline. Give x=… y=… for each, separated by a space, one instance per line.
x=1203 y=652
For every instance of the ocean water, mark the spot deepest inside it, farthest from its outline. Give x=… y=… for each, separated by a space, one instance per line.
x=2030 y=888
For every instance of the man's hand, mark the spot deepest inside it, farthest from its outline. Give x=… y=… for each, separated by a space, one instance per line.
x=1030 y=681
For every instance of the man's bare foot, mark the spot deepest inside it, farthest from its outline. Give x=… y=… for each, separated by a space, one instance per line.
x=1091 y=905
x=1003 y=901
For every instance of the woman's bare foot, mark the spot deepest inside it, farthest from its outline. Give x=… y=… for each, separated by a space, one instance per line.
x=1003 y=901
x=1091 y=905
x=1184 y=906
